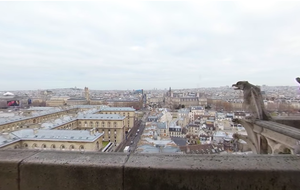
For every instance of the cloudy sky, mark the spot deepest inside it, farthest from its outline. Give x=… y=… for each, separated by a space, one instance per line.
x=147 y=45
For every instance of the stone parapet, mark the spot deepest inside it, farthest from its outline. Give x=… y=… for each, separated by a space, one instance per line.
x=45 y=170
x=293 y=121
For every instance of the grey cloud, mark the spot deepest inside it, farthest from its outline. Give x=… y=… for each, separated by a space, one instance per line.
x=145 y=45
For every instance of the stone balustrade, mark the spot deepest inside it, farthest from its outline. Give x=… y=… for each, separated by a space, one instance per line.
x=45 y=170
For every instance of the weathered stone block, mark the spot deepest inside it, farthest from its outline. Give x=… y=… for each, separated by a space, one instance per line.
x=208 y=172
x=9 y=172
x=72 y=171
x=293 y=121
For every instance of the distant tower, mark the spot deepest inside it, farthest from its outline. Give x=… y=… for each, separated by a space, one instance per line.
x=170 y=92
x=86 y=93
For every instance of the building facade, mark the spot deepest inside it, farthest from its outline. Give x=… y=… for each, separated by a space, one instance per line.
x=111 y=125
x=127 y=112
x=41 y=139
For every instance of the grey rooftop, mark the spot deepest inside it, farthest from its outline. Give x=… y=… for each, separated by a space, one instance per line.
x=117 y=109
x=8 y=138
x=57 y=135
x=39 y=108
x=161 y=125
x=102 y=116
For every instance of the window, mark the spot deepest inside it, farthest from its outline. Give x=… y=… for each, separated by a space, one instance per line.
x=62 y=147
x=72 y=147
x=103 y=124
x=25 y=145
x=34 y=146
x=16 y=147
x=44 y=146
x=108 y=124
x=53 y=146
x=81 y=147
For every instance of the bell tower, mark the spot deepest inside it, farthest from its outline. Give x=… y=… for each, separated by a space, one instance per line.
x=86 y=93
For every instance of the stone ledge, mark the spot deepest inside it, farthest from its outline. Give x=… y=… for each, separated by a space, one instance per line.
x=72 y=170
x=212 y=172
x=9 y=167
x=31 y=170
x=293 y=121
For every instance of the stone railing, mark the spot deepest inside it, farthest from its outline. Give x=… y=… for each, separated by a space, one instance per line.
x=293 y=121
x=33 y=170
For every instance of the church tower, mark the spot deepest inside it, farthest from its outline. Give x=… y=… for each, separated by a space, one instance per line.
x=86 y=93
x=170 y=92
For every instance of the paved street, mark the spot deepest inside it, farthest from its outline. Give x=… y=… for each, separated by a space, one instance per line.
x=133 y=136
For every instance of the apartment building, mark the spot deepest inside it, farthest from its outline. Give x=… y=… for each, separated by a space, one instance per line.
x=44 y=139
x=111 y=125
x=127 y=112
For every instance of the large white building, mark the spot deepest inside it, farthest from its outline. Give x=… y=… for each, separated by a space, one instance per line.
x=45 y=139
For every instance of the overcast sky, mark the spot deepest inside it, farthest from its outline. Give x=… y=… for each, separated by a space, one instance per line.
x=147 y=45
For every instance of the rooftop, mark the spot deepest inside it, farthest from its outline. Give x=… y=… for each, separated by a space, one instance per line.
x=57 y=135
x=102 y=116
x=117 y=109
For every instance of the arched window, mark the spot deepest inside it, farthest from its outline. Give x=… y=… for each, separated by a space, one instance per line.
x=81 y=147
x=16 y=146
x=72 y=147
x=25 y=145
x=44 y=146
x=115 y=124
x=97 y=124
x=53 y=146
x=34 y=146
x=62 y=147
x=108 y=124
x=91 y=124
x=102 y=124
x=97 y=145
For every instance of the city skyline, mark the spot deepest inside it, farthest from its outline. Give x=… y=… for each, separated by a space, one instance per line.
x=105 y=46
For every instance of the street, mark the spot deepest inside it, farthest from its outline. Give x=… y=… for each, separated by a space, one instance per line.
x=134 y=135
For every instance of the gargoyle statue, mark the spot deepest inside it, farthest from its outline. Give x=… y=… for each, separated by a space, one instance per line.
x=253 y=100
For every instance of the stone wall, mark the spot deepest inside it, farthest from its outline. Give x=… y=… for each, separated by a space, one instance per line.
x=33 y=170
x=292 y=121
